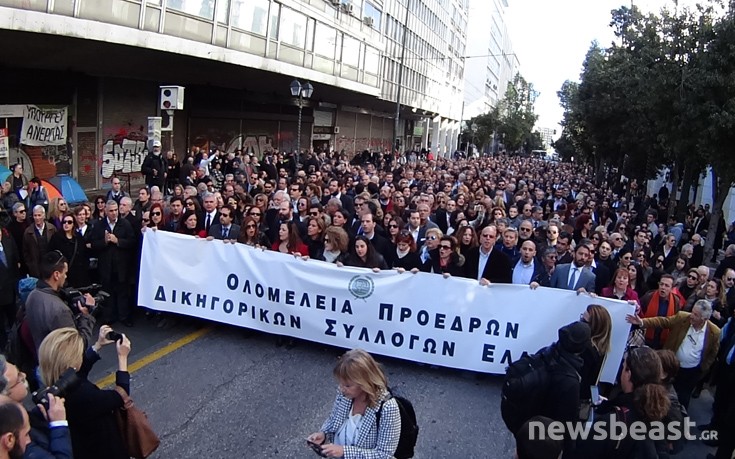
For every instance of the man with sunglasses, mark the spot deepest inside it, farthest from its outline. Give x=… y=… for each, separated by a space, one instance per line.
x=17 y=227
x=225 y=229
x=46 y=311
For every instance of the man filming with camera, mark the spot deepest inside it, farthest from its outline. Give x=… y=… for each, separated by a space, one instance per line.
x=46 y=311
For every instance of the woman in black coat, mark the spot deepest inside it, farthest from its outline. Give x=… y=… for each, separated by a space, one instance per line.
x=90 y=410
x=364 y=255
x=446 y=259
x=405 y=254
x=72 y=245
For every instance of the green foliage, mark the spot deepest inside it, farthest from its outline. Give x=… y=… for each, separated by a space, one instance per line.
x=512 y=119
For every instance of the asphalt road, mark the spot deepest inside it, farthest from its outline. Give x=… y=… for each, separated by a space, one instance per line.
x=234 y=394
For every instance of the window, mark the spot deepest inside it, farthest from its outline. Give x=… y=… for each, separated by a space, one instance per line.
x=201 y=8
x=371 y=11
x=250 y=15
x=372 y=60
x=351 y=51
x=325 y=40
x=293 y=28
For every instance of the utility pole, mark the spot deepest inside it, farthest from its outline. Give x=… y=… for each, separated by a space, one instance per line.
x=396 y=126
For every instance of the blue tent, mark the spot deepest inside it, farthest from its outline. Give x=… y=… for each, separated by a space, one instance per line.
x=69 y=188
x=4 y=173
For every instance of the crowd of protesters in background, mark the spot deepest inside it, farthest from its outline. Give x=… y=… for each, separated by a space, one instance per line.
x=493 y=219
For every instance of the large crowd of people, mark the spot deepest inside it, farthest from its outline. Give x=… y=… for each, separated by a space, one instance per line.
x=494 y=219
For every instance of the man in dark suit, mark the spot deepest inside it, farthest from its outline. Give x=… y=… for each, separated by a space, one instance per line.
x=441 y=218
x=113 y=239
x=727 y=263
x=575 y=275
x=335 y=191
x=381 y=244
x=225 y=229
x=528 y=267
x=486 y=264
x=210 y=214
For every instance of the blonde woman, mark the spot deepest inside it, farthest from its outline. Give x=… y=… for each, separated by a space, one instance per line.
x=600 y=323
x=351 y=430
x=90 y=410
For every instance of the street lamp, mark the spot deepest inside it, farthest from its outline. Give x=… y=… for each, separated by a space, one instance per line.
x=302 y=92
x=474 y=131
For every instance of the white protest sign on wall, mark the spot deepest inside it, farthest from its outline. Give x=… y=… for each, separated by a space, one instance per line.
x=422 y=317
x=4 y=144
x=44 y=126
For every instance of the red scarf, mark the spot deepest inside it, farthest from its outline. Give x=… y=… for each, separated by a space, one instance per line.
x=652 y=311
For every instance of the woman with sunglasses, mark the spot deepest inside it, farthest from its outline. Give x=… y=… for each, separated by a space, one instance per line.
x=72 y=245
x=446 y=259
x=155 y=217
x=192 y=205
x=336 y=243
x=251 y=235
x=394 y=226
x=98 y=214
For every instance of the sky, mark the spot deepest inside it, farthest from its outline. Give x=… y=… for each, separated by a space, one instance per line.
x=551 y=38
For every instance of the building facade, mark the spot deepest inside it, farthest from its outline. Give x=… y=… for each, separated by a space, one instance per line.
x=491 y=63
x=104 y=60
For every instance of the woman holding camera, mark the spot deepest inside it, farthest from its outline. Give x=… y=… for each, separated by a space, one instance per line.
x=90 y=410
x=352 y=430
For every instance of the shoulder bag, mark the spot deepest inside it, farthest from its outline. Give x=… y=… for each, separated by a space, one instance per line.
x=137 y=433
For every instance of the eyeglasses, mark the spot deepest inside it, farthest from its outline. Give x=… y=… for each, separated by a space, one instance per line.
x=250 y=226
x=526 y=230
x=68 y=222
x=21 y=211
x=731 y=279
x=392 y=226
x=627 y=258
x=156 y=214
x=694 y=277
x=189 y=203
x=146 y=220
x=21 y=380
x=432 y=238
x=314 y=214
x=254 y=214
x=489 y=236
x=445 y=247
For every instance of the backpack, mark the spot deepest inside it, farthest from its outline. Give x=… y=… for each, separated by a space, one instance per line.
x=409 y=427
x=524 y=387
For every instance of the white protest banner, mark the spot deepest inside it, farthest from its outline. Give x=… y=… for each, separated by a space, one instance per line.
x=43 y=126
x=4 y=144
x=421 y=317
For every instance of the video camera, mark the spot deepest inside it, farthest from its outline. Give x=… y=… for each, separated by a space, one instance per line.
x=73 y=296
x=67 y=380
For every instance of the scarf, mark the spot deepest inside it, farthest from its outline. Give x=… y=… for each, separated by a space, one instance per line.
x=652 y=311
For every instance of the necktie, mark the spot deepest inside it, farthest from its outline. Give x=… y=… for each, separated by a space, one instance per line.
x=3 y=259
x=225 y=232
x=208 y=222
x=573 y=279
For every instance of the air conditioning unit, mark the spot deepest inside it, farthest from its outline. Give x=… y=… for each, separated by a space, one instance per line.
x=368 y=21
x=336 y=129
x=348 y=8
x=172 y=97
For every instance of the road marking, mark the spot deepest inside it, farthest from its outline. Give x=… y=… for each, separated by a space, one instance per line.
x=152 y=357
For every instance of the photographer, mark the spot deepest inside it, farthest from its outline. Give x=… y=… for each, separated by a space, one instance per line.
x=46 y=310
x=50 y=438
x=91 y=411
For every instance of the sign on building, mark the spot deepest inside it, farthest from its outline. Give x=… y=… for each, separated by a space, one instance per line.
x=4 y=144
x=44 y=126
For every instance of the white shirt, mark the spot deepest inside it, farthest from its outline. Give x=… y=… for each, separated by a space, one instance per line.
x=523 y=273
x=690 y=350
x=415 y=234
x=112 y=225
x=347 y=434
x=212 y=214
x=482 y=262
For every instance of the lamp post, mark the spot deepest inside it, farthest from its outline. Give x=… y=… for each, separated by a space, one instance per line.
x=302 y=92
x=474 y=131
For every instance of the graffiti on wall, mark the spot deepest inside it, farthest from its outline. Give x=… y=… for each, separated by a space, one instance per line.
x=254 y=144
x=60 y=156
x=123 y=154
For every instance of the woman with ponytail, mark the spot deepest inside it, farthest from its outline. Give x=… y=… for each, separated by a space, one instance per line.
x=643 y=399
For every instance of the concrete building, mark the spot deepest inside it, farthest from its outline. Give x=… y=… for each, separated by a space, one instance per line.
x=547 y=135
x=491 y=63
x=104 y=61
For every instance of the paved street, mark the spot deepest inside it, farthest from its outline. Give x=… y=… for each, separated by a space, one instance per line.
x=230 y=394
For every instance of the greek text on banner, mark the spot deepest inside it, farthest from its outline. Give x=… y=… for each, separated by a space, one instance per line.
x=43 y=126
x=421 y=317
